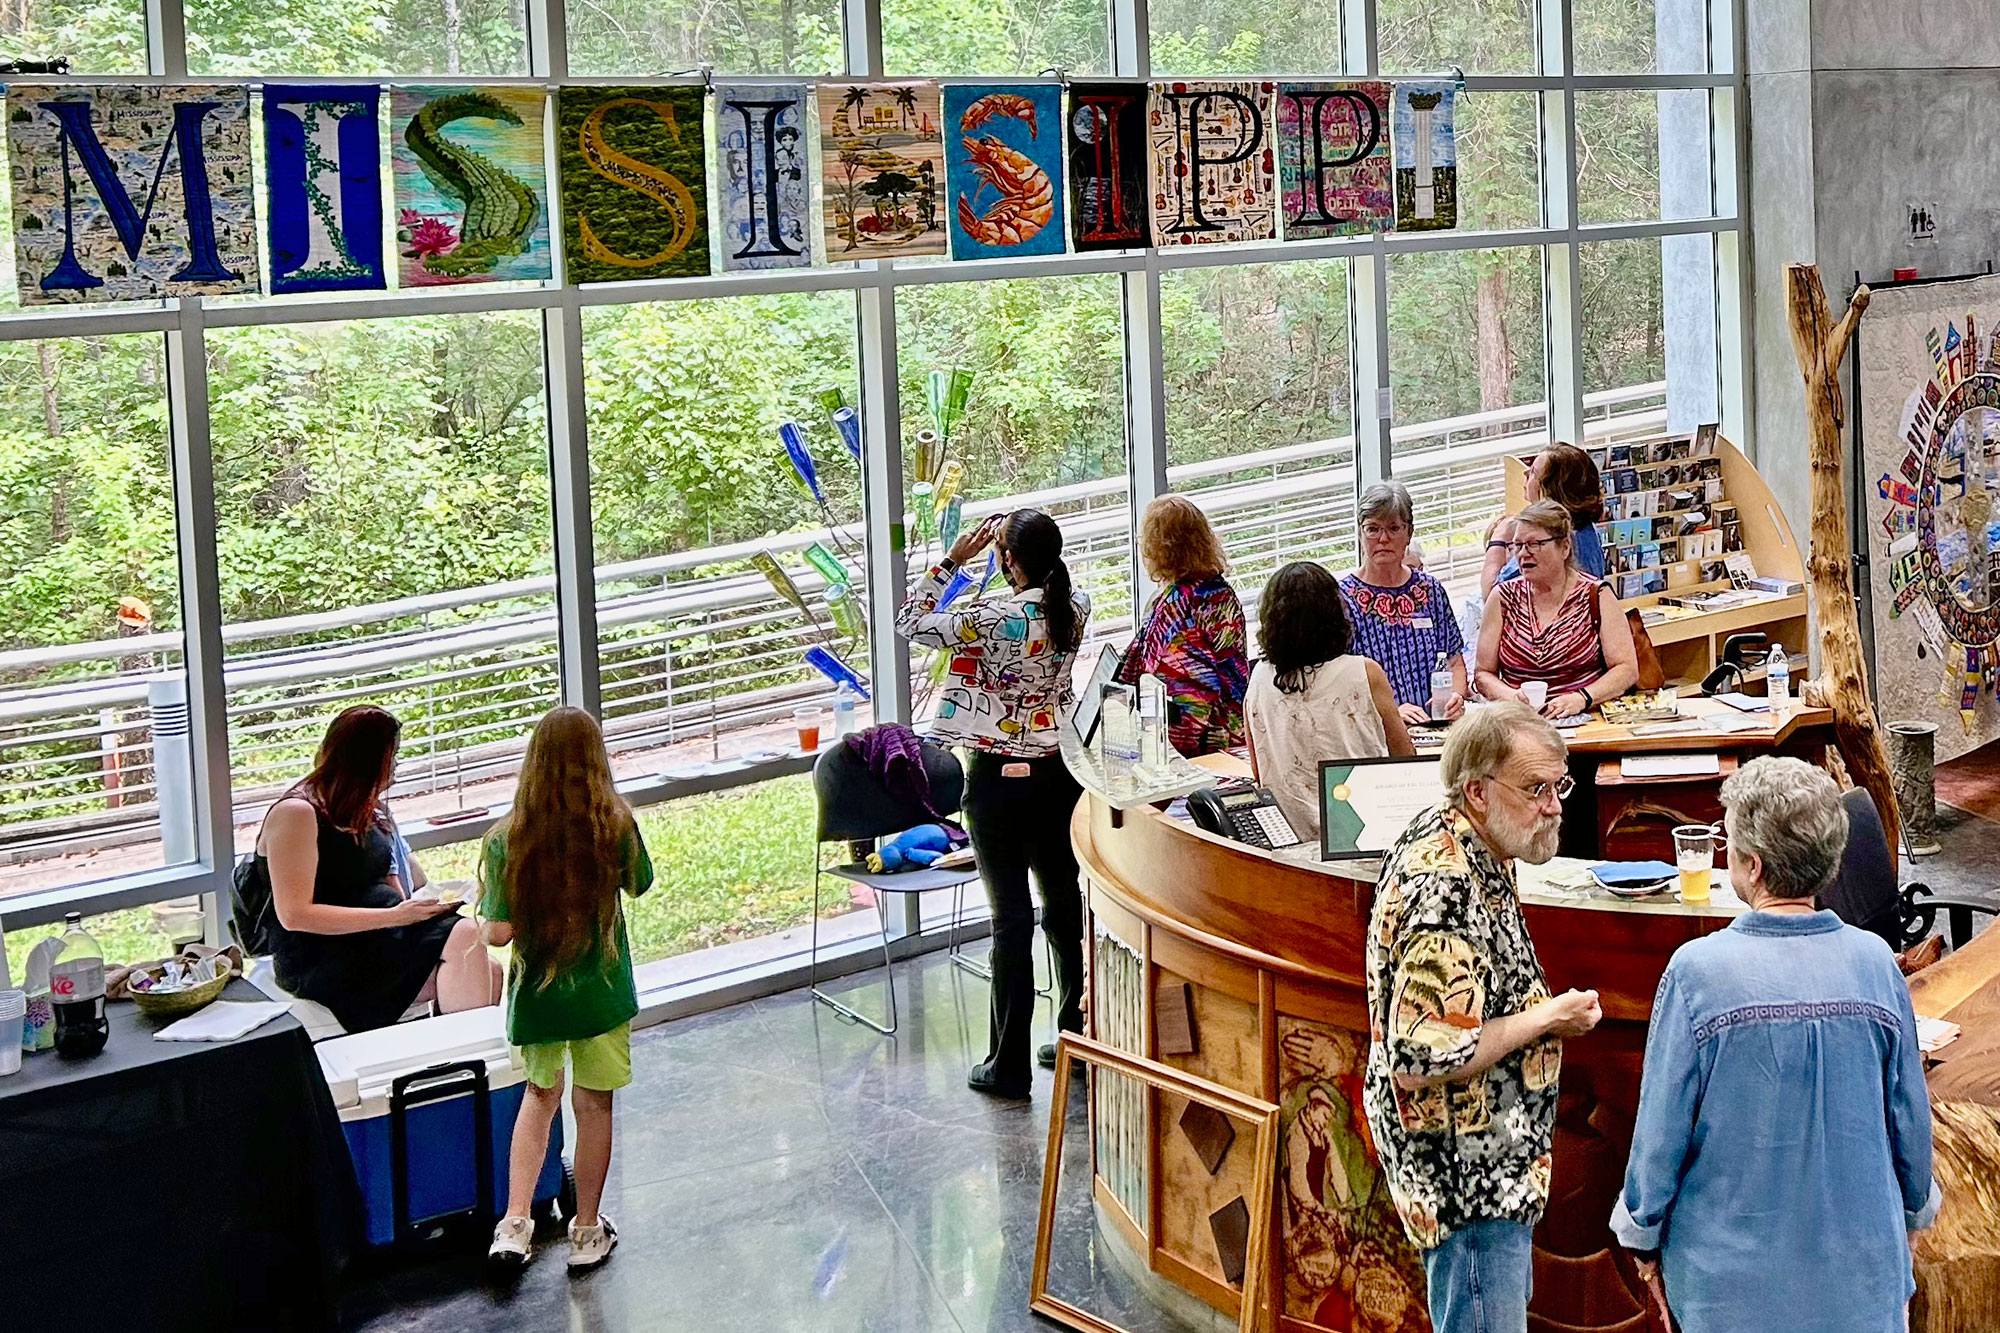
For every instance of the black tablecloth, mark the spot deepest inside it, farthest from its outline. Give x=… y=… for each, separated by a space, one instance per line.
x=175 y=1184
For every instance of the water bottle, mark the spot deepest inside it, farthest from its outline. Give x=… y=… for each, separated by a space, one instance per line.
x=1440 y=688
x=76 y=986
x=1152 y=724
x=1118 y=734
x=846 y=720
x=1778 y=677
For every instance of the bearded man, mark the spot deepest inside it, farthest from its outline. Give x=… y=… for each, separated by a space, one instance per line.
x=1465 y=1043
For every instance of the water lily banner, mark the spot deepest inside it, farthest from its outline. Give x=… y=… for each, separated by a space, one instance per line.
x=762 y=176
x=131 y=193
x=323 y=167
x=882 y=155
x=471 y=192
x=631 y=163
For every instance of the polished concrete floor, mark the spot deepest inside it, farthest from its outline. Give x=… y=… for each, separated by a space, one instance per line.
x=777 y=1168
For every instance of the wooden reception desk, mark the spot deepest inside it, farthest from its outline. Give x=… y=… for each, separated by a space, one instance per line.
x=1262 y=952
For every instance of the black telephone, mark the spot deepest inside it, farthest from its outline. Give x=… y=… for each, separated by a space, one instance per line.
x=1242 y=812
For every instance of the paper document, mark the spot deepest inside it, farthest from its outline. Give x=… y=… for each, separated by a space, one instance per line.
x=1935 y=1034
x=224 y=1020
x=1670 y=765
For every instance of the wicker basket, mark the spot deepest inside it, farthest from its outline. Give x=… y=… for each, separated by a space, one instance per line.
x=179 y=1003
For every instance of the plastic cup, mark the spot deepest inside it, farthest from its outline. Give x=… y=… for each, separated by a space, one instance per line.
x=13 y=1009
x=1537 y=692
x=1694 y=858
x=807 y=721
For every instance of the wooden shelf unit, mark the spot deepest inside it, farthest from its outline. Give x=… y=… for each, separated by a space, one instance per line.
x=1689 y=647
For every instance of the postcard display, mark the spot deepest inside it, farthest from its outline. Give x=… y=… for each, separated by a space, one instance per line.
x=1688 y=517
x=1928 y=412
x=137 y=192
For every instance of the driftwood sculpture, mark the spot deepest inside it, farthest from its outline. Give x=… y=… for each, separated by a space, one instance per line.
x=1821 y=346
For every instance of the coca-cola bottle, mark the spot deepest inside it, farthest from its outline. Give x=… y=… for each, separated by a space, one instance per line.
x=76 y=986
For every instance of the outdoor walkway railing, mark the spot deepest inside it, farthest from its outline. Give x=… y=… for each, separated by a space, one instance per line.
x=693 y=647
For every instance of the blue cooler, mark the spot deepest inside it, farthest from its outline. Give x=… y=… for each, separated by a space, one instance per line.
x=428 y=1111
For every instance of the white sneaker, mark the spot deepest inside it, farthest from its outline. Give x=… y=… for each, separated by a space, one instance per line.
x=513 y=1243
x=591 y=1246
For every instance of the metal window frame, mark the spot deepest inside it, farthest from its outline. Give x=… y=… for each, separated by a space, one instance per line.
x=183 y=324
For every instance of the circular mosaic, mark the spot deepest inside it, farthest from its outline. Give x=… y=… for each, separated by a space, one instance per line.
x=1957 y=504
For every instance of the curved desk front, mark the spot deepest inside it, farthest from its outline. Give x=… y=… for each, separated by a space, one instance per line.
x=1263 y=953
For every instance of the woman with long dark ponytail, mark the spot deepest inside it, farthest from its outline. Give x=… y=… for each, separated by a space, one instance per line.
x=1005 y=698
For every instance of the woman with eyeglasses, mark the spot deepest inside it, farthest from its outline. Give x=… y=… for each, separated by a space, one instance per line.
x=1402 y=616
x=1555 y=624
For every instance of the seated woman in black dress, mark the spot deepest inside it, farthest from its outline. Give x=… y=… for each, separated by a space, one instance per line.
x=348 y=934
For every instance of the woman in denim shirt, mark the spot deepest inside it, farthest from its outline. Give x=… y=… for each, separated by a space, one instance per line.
x=1783 y=1147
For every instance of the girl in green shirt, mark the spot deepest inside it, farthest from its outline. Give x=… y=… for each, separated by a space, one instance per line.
x=551 y=875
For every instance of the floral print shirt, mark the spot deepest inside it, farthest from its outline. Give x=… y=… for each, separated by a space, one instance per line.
x=1193 y=641
x=1447 y=950
x=1006 y=687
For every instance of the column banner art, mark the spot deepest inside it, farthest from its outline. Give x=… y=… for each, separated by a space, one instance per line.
x=323 y=167
x=631 y=165
x=1003 y=169
x=1107 y=165
x=1425 y=138
x=131 y=193
x=882 y=155
x=1333 y=159
x=471 y=192
x=761 y=160
x=1929 y=416
x=1213 y=168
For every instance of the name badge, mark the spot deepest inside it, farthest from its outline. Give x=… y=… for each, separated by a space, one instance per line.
x=1016 y=770
x=1420 y=622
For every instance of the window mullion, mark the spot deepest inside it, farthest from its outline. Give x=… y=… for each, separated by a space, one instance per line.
x=166 y=39
x=1562 y=284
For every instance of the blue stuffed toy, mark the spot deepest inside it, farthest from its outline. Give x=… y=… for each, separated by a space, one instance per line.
x=913 y=849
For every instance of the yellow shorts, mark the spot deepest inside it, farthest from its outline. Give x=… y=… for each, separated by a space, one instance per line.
x=602 y=1063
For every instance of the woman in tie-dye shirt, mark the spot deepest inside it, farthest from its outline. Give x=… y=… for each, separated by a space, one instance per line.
x=1193 y=636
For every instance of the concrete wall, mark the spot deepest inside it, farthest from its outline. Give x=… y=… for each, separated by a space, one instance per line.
x=1859 y=109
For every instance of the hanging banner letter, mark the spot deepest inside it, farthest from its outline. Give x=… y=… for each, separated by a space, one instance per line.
x=323 y=162
x=1213 y=170
x=766 y=195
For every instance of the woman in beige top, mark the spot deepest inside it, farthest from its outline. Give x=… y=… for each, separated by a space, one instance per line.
x=1311 y=697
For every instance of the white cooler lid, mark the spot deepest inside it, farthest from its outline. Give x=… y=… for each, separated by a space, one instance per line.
x=359 y=1068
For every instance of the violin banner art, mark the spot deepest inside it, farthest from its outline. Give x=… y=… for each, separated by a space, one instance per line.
x=1107 y=166
x=471 y=191
x=1213 y=164
x=323 y=166
x=631 y=166
x=761 y=166
x=1003 y=159
x=131 y=193
x=882 y=157
x=1333 y=159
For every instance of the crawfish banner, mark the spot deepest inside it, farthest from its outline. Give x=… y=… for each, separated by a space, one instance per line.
x=130 y=193
x=1426 y=144
x=1212 y=166
x=882 y=155
x=630 y=166
x=1003 y=169
x=761 y=161
x=323 y=166
x=471 y=193
x=1107 y=165
x=1333 y=159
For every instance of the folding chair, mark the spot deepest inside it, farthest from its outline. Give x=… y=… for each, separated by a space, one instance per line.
x=854 y=808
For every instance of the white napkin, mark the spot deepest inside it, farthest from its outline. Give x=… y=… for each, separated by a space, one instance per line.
x=224 y=1020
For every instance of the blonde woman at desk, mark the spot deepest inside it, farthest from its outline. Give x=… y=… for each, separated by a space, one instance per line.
x=1555 y=624
x=1311 y=696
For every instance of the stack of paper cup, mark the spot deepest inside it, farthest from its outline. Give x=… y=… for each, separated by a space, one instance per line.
x=13 y=1009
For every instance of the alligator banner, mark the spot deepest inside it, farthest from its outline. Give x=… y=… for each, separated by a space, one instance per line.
x=323 y=167
x=1003 y=155
x=630 y=165
x=131 y=194
x=471 y=192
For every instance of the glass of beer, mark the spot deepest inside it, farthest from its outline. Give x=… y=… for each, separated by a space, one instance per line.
x=1694 y=857
x=806 y=717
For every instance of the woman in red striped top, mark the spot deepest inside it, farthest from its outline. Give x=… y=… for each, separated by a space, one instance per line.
x=1554 y=624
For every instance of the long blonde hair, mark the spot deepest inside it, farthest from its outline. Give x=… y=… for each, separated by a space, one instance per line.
x=564 y=835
